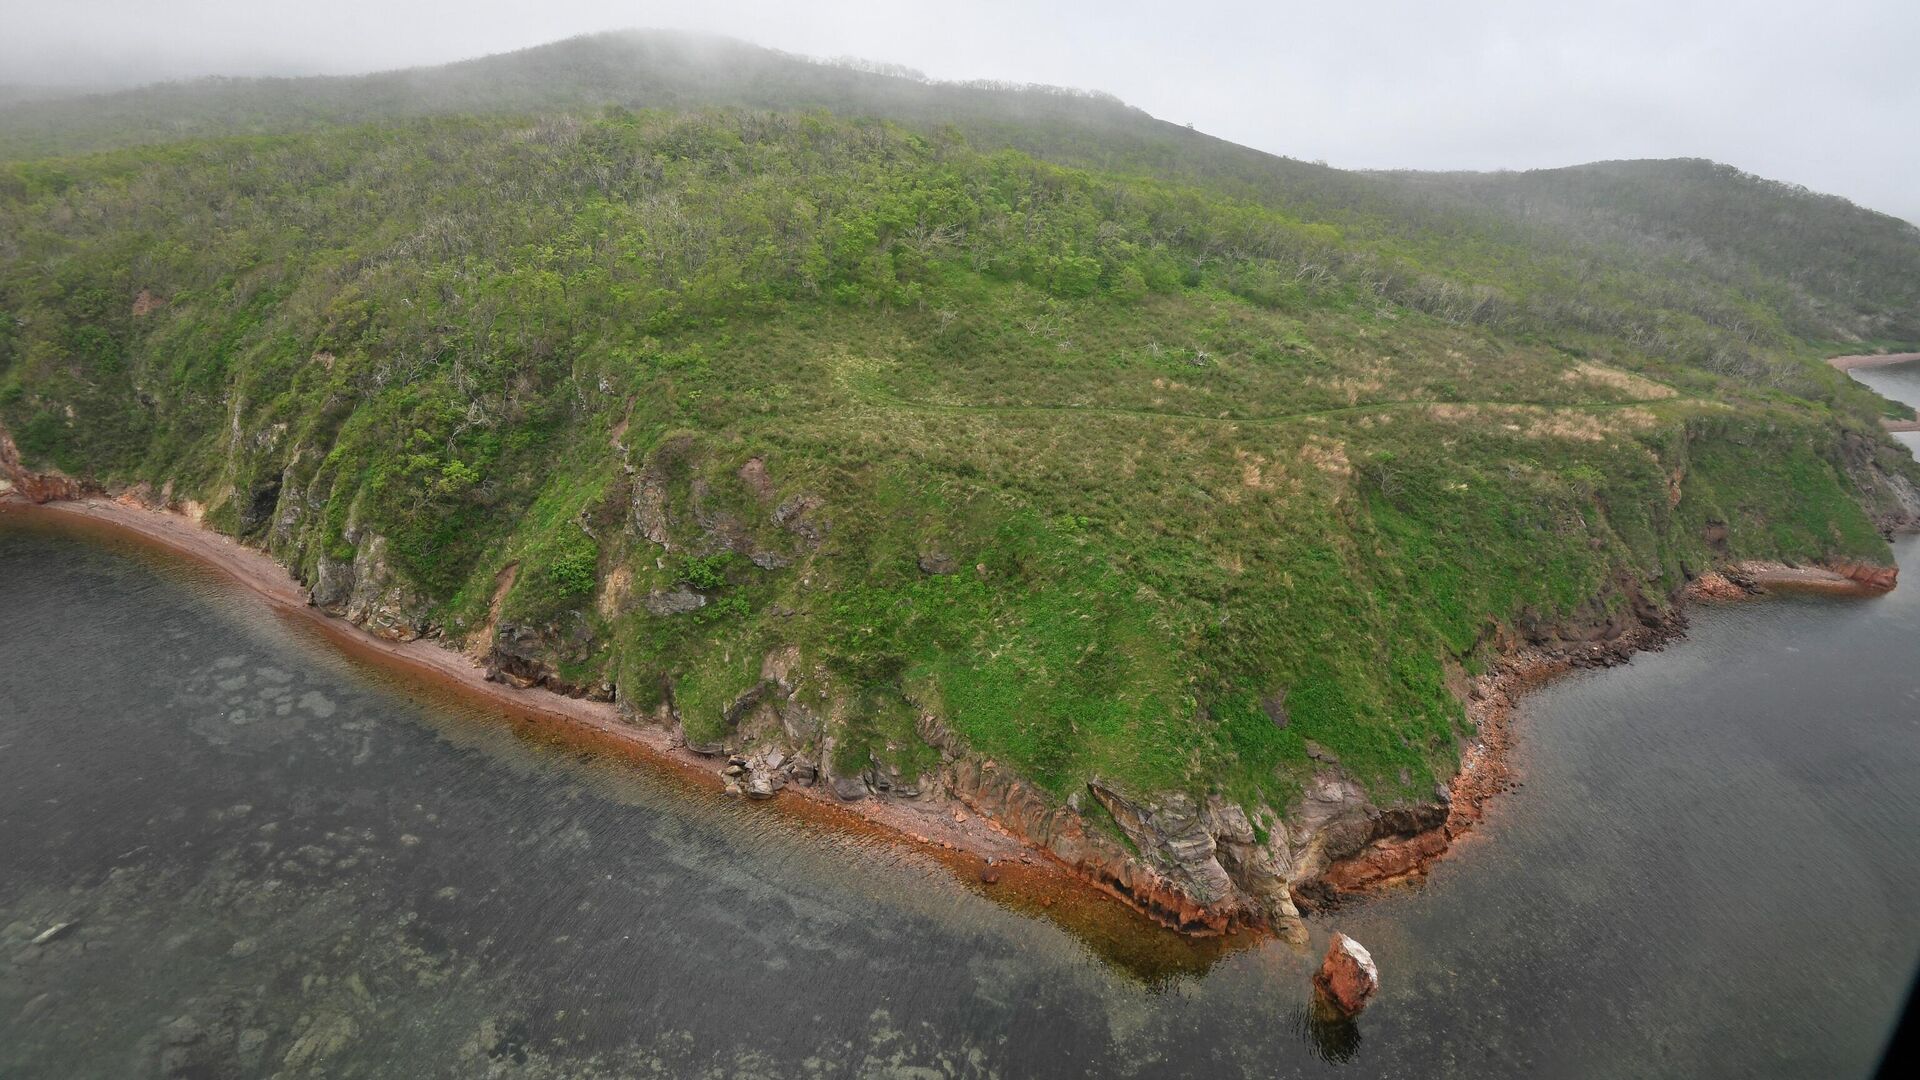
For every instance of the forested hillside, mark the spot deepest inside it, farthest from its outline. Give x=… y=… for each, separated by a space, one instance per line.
x=1845 y=269
x=1184 y=472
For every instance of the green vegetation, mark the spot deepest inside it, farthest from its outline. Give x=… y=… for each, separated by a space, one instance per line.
x=1096 y=437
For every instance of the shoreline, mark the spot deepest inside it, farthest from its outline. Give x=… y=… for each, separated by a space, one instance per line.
x=976 y=850
x=1491 y=699
x=1870 y=360
x=1487 y=769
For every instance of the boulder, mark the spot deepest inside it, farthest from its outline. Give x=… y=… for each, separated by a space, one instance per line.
x=1347 y=978
x=849 y=788
x=676 y=601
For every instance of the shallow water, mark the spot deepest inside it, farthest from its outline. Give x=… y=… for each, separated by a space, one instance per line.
x=279 y=862
x=1901 y=382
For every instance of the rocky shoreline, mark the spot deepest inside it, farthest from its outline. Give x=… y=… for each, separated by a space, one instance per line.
x=1401 y=853
x=982 y=821
x=970 y=844
x=1406 y=851
x=1199 y=867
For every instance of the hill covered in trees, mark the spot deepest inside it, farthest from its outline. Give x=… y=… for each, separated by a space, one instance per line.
x=878 y=420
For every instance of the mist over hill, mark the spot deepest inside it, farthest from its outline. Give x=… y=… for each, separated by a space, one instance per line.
x=634 y=69
x=1693 y=211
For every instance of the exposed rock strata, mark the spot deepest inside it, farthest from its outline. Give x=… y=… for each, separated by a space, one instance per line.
x=1878 y=578
x=363 y=591
x=1199 y=868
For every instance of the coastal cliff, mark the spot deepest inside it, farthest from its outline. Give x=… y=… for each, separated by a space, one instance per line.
x=1161 y=501
x=1198 y=865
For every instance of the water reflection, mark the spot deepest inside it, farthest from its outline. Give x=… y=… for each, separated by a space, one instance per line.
x=1899 y=382
x=1331 y=1033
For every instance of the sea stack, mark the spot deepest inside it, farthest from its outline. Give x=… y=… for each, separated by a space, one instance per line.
x=1347 y=979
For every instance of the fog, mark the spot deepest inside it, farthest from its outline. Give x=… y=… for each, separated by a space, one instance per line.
x=1818 y=93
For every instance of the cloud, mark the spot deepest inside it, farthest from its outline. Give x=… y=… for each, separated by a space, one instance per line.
x=1818 y=93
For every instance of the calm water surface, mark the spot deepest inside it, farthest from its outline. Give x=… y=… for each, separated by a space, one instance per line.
x=279 y=863
x=1901 y=382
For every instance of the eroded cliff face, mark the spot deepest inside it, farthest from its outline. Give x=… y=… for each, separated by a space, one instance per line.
x=1193 y=860
x=1894 y=497
x=48 y=485
x=363 y=591
x=1196 y=865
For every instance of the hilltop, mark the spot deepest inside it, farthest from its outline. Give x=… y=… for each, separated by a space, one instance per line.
x=877 y=430
x=631 y=69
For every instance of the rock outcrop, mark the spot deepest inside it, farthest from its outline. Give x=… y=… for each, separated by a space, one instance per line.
x=1200 y=867
x=39 y=487
x=521 y=656
x=1878 y=578
x=1347 y=978
x=676 y=601
x=363 y=591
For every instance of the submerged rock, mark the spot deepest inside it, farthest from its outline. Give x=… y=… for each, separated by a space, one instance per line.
x=1347 y=978
x=321 y=1037
x=53 y=933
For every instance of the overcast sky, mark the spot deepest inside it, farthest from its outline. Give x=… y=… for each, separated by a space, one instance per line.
x=1819 y=92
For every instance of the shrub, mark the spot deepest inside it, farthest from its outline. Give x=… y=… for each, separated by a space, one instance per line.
x=575 y=571
x=706 y=572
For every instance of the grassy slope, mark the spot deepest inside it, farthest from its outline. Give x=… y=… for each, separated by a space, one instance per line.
x=1192 y=447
